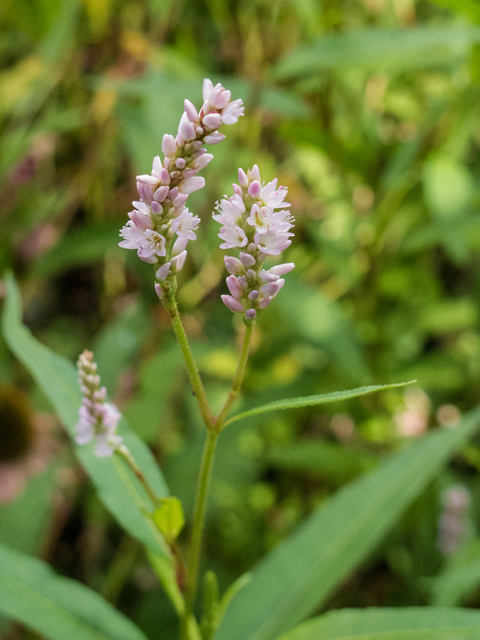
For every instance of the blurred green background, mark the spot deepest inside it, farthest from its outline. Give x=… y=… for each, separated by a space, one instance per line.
x=368 y=110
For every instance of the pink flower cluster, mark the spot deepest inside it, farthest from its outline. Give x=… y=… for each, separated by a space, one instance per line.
x=254 y=220
x=98 y=419
x=160 y=214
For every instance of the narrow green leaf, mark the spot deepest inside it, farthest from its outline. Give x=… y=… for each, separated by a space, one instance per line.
x=398 y=49
x=31 y=593
x=116 y=485
x=458 y=580
x=310 y=401
x=301 y=572
x=408 y=623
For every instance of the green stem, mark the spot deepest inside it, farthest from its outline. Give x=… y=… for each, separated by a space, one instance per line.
x=237 y=380
x=198 y=525
x=191 y=365
x=130 y=460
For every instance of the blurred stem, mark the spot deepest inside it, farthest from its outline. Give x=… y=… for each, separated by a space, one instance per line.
x=130 y=460
x=120 y=568
x=191 y=364
x=237 y=380
x=203 y=483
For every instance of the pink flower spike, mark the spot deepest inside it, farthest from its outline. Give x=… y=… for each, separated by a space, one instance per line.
x=282 y=269
x=234 y=305
x=190 y=110
x=163 y=272
x=246 y=259
x=234 y=287
x=255 y=189
x=233 y=265
x=159 y=291
x=169 y=146
x=179 y=246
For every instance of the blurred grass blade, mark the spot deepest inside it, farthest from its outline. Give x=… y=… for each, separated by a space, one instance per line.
x=380 y=48
x=409 y=623
x=310 y=401
x=59 y=608
x=57 y=377
x=301 y=572
x=458 y=580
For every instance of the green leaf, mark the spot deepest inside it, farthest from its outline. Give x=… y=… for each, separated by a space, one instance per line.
x=328 y=459
x=310 y=401
x=117 y=487
x=380 y=48
x=408 y=623
x=301 y=572
x=57 y=607
x=458 y=580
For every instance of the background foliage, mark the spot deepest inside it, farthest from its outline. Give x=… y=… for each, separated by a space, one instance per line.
x=368 y=111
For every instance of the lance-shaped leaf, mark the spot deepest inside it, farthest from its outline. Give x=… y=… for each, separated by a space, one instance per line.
x=311 y=401
x=57 y=377
x=408 y=623
x=59 y=608
x=301 y=572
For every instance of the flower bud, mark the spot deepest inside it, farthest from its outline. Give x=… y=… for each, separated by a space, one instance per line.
x=242 y=178
x=169 y=146
x=233 y=265
x=250 y=314
x=255 y=189
x=212 y=120
x=159 y=291
x=264 y=302
x=234 y=287
x=160 y=194
x=163 y=272
x=179 y=246
x=189 y=185
x=234 y=305
x=190 y=110
x=246 y=259
x=180 y=163
x=148 y=179
x=179 y=261
x=282 y=269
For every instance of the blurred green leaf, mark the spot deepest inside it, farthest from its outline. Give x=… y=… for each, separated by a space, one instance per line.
x=57 y=377
x=310 y=401
x=378 y=48
x=328 y=459
x=80 y=247
x=59 y=608
x=448 y=186
x=118 y=342
x=24 y=523
x=458 y=579
x=469 y=8
x=300 y=573
x=408 y=623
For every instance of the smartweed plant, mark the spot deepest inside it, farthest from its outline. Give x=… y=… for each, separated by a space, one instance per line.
x=292 y=581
